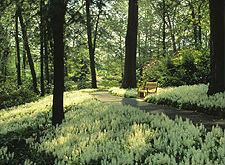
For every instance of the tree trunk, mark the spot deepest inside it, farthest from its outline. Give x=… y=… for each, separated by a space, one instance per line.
x=194 y=25
x=46 y=57
x=19 y=82
x=57 y=21
x=199 y=26
x=217 y=50
x=172 y=34
x=24 y=62
x=129 y=80
x=164 y=29
x=42 y=48
x=26 y=45
x=91 y=48
x=51 y=50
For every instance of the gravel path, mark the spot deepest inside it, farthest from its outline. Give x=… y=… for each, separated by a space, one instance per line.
x=195 y=117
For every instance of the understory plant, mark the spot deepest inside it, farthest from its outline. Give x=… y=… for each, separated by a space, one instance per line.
x=193 y=97
x=129 y=93
x=95 y=133
x=12 y=95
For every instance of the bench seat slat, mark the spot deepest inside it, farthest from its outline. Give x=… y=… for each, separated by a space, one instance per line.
x=150 y=87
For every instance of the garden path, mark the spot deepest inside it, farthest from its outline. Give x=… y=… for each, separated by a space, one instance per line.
x=195 y=117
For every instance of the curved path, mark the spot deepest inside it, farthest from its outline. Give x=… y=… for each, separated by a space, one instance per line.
x=195 y=117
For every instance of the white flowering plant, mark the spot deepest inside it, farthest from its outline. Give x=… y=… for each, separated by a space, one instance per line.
x=95 y=133
x=89 y=90
x=192 y=97
x=129 y=93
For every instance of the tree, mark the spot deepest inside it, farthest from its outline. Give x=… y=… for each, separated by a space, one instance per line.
x=42 y=47
x=17 y=49
x=90 y=45
x=27 y=47
x=129 y=79
x=217 y=50
x=164 y=28
x=57 y=8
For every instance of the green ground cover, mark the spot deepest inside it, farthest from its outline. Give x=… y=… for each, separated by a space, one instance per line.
x=192 y=97
x=129 y=93
x=107 y=134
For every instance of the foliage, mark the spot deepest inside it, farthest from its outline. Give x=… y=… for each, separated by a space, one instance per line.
x=83 y=84
x=190 y=97
x=129 y=93
x=12 y=95
x=110 y=81
x=22 y=124
x=69 y=85
x=89 y=90
x=188 y=67
x=97 y=133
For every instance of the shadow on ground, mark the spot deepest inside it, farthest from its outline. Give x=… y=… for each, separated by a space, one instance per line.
x=196 y=117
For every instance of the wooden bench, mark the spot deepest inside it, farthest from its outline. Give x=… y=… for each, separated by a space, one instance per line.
x=150 y=87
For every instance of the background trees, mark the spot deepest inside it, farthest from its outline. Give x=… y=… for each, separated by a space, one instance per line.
x=173 y=45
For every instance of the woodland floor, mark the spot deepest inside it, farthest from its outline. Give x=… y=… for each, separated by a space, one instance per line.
x=196 y=117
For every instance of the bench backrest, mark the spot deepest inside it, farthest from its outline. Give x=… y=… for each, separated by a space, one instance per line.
x=151 y=86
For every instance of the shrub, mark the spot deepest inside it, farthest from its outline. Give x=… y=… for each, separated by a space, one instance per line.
x=12 y=95
x=83 y=85
x=110 y=83
x=69 y=85
x=189 y=66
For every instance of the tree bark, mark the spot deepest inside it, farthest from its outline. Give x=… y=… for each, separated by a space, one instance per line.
x=164 y=29
x=217 y=47
x=172 y=34
x=26 y=45
x=199 y=25
x=19 y=82
x=129 y=80
x=42 y=48
x=57 y=21
x=91 y=48
x=46 y=57
x=194 y=25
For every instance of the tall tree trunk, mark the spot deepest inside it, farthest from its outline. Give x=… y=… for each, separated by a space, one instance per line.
x=164 y=29
x=121 y=55
x=24 y=63
x=51 y=49
x=172 y=34
x=26 y=45
x=139 y=49
x=194 y=25
x=57 y=22
x=129 y=80
x=91 y=48
x=46 y=57
x=19 y=82
x=199 y=25
x=217 y=49
x=42 y=48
